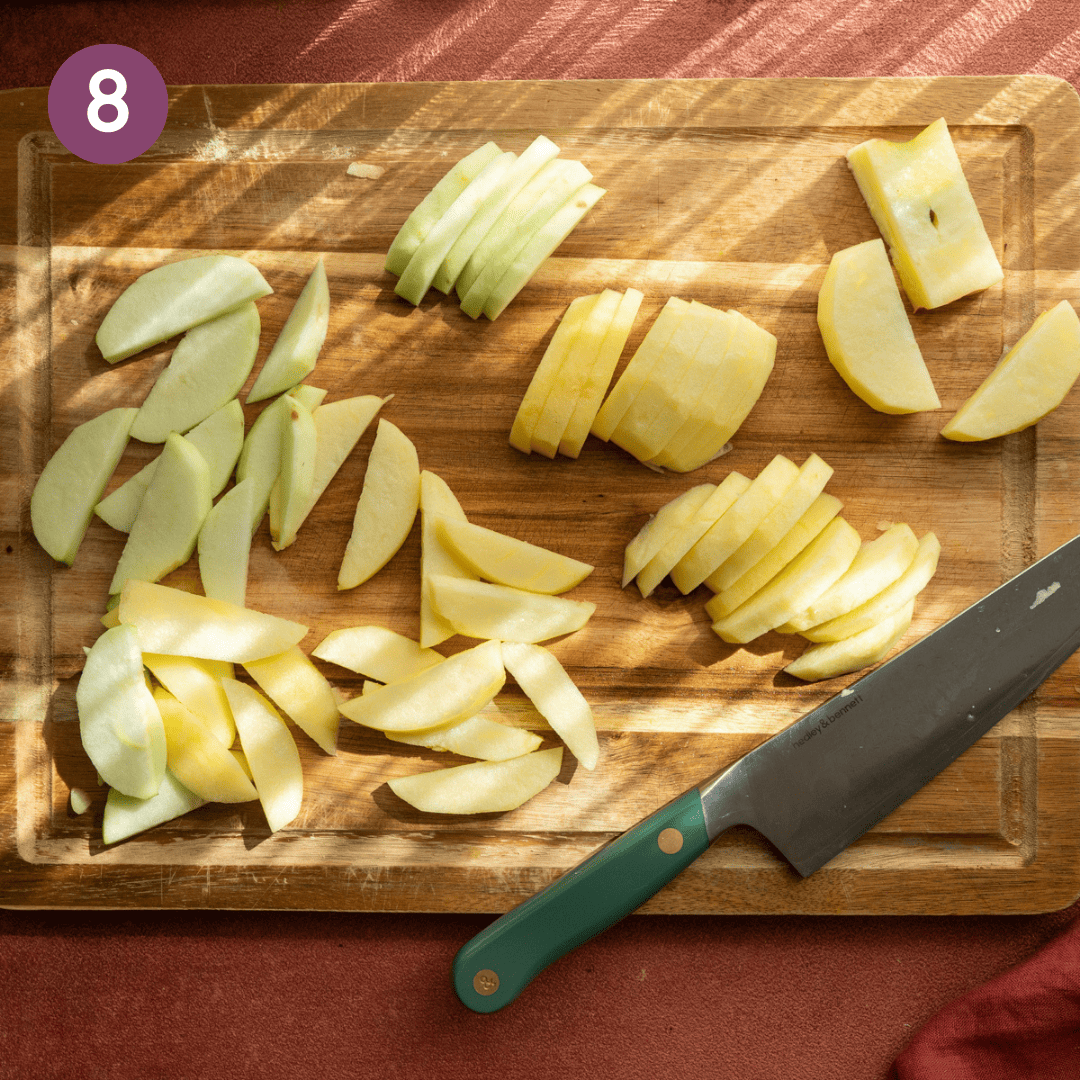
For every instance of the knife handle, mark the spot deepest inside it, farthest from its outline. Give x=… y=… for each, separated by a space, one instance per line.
x=496 y=965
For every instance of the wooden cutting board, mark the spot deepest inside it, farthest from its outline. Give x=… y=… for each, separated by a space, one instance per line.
x=735 y=193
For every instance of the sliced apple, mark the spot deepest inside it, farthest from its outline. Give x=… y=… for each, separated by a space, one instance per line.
x=297 y=476
x=481 y=610
x=437 y=502
x=206 y=370
x=297 y=687
x=271 y=753
x=481 y=787
x=182 y=624
x=505 y=560
x=374 y=651
x=1031 y=380
x=293 y=355
x=436 y=697
x=547 y=685
x=73 y=480
x=119 y=722
x=831 y=658
x=224 y=545
x=260 y=457
x=172 y=299
x=663 y=528
x=125 y=816
x=477 y=737
x=920 y=200
x=386 y=508
x=197 y=685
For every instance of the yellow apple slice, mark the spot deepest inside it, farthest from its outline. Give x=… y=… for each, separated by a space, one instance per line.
x=172 y=299
x=196 y=757
x=663 y=528
x=547 y=371
x=505 y=560
x=197 y=685
x=774 y=526
x=437 y=502
x=182 y=624
x=293 y=355
x=479 y=609
x=296 y=479
x=477 y=737
x=436 y=697
x=166 y=528
x=820 y=513
x=867 y=335
x=432 y=207
x=386 y=508
x=119 y=722
x=877 y=565
x=1031 y=380
x=206 y=371
x=682 y=539
x=893 y=597
x=224 y=545
x=297 y=687
x=481 y=787
x=539 y=247
x=218 y=438
x=374 y=651
x=547 y=685
x=73 y=480
x=271 y=753
x=831 y=658
x=733 y=528
x=125 y=816
x=801 y=582
x=920 y=200
x=563 y=394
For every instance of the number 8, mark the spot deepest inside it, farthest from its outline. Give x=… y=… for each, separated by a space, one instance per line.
x=115 y=99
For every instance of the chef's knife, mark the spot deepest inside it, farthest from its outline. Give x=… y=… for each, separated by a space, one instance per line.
x=815 y=787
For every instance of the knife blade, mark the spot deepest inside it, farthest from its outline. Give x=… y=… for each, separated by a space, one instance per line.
x=815 y=787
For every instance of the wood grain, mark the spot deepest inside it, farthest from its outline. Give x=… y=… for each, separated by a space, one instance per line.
x=734 y=193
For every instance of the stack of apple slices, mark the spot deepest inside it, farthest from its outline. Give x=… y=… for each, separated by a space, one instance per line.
x=778 y=556
x=688 y=387
x=488 y=225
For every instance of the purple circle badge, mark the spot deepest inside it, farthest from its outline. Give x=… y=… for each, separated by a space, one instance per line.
x=108 y=104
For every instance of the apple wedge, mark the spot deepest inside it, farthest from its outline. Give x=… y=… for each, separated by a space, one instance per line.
x=437 y=697
x=119 y=722
x=558 y=700
x=297 y=687
x=271 y=753
x=197 y=685
x=166 y=528
x=479 y=609
x=374 y=651
x=437 y=502
x=504 y=560
x=920 y=200
x=206 y=370
x=224 y=545
x=663 y=528
x=171 y=299
x=293 y=355
x=481 y=787
x=296 y=479
x=477 y=737
x=73 y=480
x=1031 y=380
x=386 y=508
x=180 y=623
x=125 y=816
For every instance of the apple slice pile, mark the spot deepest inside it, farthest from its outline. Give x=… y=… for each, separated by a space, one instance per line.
x=487 y=226
x=778 y=556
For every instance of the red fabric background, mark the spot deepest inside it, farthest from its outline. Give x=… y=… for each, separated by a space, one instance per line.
x=149 y=995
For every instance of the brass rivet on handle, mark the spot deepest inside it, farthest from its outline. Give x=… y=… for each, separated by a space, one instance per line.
x=670 y=841
x=485 y=982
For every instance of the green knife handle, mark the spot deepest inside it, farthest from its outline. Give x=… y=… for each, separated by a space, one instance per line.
x=496 y=965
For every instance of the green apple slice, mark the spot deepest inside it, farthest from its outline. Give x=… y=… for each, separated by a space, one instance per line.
x=218 y=438
x=374 y=651
x=119 y=721
x=297 y=476
x=1031 y=380
x=125 y=816
x=206 y=370
x=293 y=355
x=478 y=737
x=547 y=685
x=432 y=207
x=539 y=248
x=224 y=545
x=271 y=753
x=437 y=502
x=73 y=480
x=197 y=685
x=172 y=299
x=664 y=527
x=386 y=509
